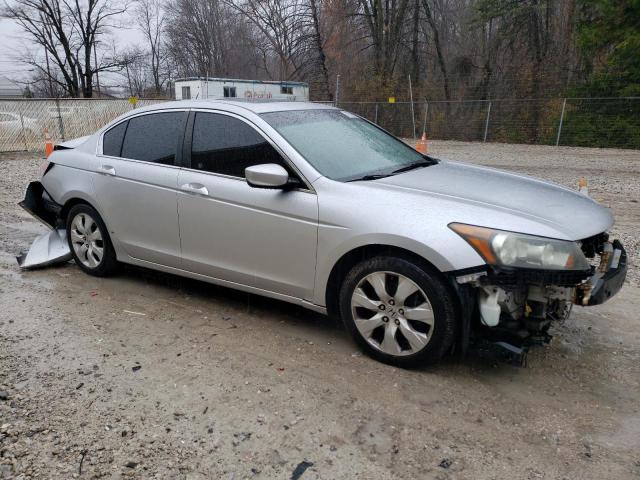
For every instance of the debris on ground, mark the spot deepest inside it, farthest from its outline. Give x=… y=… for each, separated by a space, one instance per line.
x=300 y=469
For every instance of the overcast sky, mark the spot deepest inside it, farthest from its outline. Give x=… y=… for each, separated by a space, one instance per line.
x=13 y=42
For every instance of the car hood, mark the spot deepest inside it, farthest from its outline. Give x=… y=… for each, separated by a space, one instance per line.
x=568 y=211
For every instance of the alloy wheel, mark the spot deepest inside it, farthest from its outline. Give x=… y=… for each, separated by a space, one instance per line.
x=87 y=240
x=392 y=313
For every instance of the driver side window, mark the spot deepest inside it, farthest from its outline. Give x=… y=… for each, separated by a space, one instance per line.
x=225 y=145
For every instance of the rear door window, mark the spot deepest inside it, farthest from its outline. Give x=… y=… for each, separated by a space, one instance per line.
x=154 y=137
x=112 y=140
x=225 y=145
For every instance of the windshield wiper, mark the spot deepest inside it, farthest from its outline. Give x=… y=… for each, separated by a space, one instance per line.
x=373 y=176
x=413 y=166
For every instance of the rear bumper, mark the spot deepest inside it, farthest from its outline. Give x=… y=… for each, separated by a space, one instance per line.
x=51 y=247
x=39 y=204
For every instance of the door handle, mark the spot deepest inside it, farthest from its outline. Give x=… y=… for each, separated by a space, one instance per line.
x=195 y=188
x=107 y=169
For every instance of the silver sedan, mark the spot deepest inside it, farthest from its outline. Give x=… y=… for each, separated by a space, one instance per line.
x=317 y=206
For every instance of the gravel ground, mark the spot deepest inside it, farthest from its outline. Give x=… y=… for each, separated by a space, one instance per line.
x=147 y=375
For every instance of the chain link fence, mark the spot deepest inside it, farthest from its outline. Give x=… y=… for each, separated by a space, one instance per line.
x=23 y=121
x=590 y=122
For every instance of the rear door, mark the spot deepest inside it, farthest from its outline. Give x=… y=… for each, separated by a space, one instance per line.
x=137 y=184
x=229 y=230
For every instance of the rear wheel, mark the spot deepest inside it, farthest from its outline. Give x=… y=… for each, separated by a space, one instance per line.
x=397 y=312
x=89 y=241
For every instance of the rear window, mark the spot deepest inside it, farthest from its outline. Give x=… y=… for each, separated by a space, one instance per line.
x=154 y=137
x=112 y=140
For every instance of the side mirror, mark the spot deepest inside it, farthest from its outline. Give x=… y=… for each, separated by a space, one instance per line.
x=268 y=175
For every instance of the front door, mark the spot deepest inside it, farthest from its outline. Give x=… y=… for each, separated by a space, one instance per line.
x=231 y=231
x=137 y=185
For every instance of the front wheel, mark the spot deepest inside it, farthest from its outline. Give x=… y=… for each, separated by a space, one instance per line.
x=89 y=241
x=397 y=312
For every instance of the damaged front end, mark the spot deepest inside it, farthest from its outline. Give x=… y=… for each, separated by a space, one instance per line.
x=51 y=247
x=514 y=306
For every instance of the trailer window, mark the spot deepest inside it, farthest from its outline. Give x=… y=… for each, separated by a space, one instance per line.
x=186 y=93
x=286 y=90
x=229 y=92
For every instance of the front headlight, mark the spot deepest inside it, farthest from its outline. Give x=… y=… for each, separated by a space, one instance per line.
x=510 y=249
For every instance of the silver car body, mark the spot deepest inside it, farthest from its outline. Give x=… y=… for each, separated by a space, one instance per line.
x=285 y=244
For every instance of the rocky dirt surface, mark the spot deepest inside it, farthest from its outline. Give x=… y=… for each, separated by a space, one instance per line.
x=147 y=375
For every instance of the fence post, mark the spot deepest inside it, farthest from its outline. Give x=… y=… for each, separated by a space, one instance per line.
x=486 y=123
x=426 y=111
x=337 y=88
x=60 y=123
x=564 y=104
x=376 y=120
x=24 y=133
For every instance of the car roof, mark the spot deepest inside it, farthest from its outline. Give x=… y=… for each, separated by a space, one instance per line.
x=252 y=106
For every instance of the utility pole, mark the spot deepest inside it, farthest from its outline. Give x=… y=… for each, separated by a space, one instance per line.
x=413 y=115
x=95 y=60
x=46 y=54
x=337 y=89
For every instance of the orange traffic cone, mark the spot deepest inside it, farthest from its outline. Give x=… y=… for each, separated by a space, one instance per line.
x=421 y=145
x=48 y=144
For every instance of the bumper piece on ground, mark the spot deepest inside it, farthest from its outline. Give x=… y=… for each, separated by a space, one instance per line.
x=49 y=248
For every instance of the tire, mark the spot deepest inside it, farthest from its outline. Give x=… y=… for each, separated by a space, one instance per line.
x=414 y=326
x=86 y=247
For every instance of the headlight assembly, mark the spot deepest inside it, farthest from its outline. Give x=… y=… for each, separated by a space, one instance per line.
x=498 y=247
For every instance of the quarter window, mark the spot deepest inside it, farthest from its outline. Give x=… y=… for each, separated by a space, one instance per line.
x=154 y=137
x=226 y=145
x=112 y=140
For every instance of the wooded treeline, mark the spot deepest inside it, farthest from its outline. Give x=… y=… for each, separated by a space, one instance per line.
x=452 y=49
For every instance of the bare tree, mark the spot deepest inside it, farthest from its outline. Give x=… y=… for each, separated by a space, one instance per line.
x=68 y=31
x=385 y=22
x=280 y=25
x=150 y=19
x=433 y=24
x=135 y=71
x=199 y=33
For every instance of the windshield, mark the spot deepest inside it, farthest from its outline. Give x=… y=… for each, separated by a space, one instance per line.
x=342 y=146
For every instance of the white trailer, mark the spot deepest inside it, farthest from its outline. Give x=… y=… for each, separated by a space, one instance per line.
x=221 y=88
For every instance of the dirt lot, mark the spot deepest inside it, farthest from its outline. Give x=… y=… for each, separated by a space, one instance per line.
x=151 y=376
